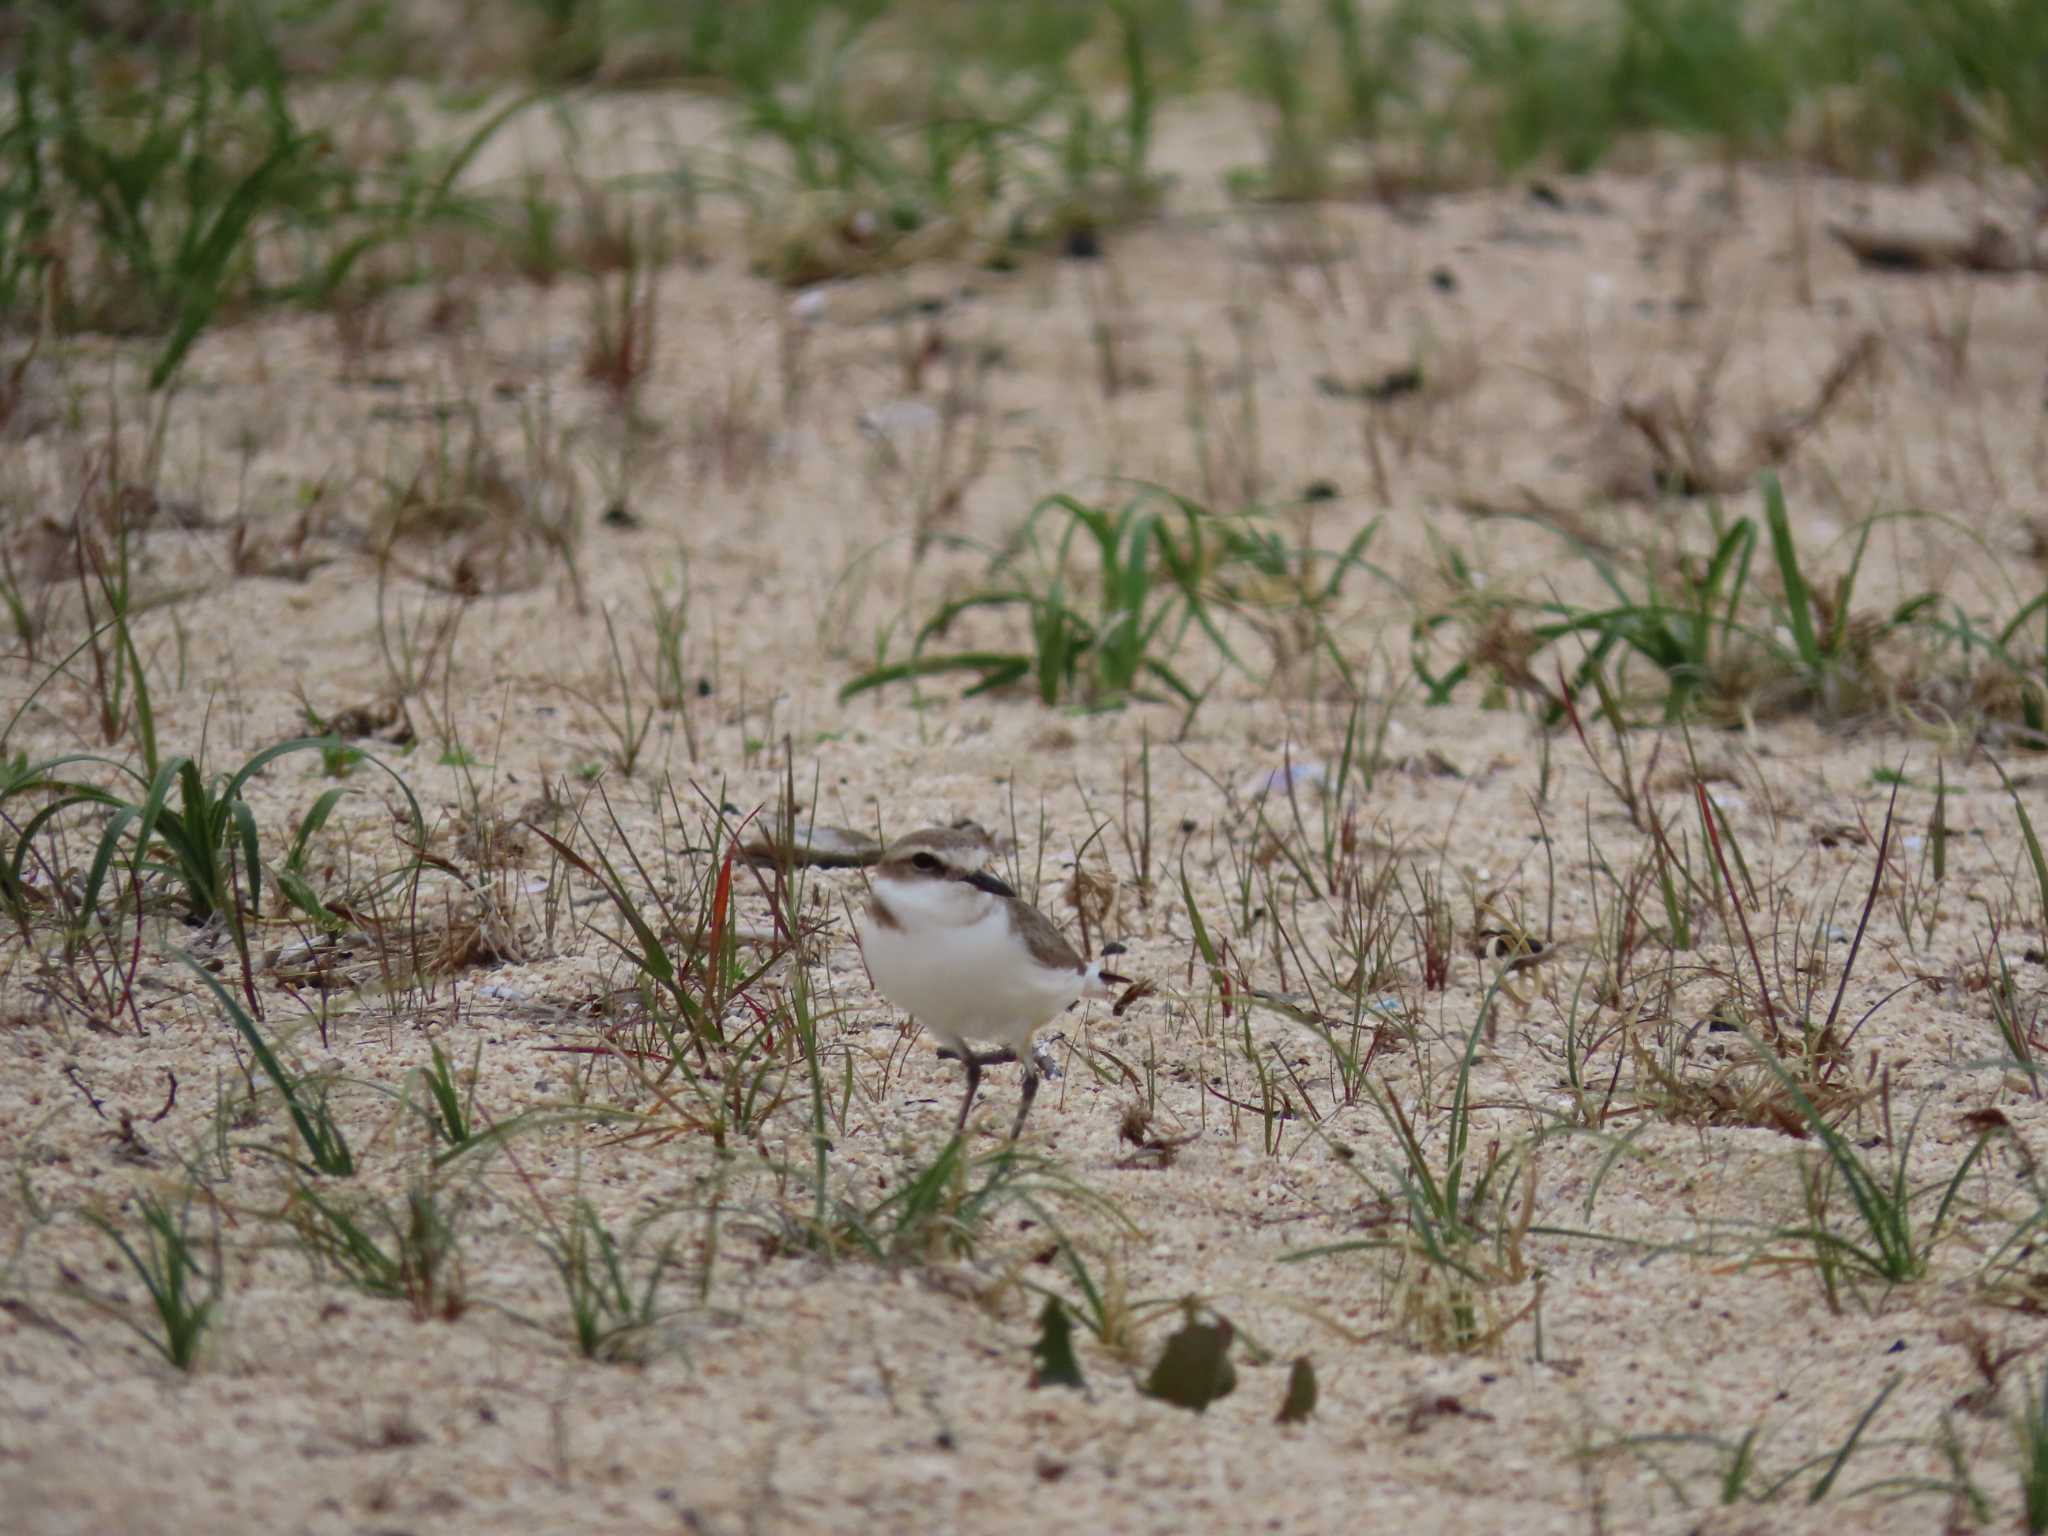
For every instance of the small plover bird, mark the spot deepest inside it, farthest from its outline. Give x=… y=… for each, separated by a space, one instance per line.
x=958 y=950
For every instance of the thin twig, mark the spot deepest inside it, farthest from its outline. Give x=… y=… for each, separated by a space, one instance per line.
x=1714 y=838
x=1869 y=902
x=170 y=1097
x=71 y=1073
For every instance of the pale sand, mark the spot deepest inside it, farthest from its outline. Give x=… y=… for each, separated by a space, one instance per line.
x=802 y=1396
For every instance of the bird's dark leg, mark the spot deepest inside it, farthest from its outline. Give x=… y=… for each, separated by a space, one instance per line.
x=1030 y=1093
x=973 y=1063
x=985 y=1058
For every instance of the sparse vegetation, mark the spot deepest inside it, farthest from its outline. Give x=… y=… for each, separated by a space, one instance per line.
x=1542 y=690
x=613 y=1308
x=183 y=1291
x=1162 y=568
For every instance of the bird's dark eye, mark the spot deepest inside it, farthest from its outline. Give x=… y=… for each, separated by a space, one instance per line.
x=923 y=861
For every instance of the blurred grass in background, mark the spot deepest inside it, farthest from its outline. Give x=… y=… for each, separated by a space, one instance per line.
x=161 y=165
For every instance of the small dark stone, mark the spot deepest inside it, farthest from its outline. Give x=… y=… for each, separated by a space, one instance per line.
x=1391 y=386
x=1388 y=386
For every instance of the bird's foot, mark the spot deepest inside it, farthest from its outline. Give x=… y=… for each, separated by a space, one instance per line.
x=1042 y=1061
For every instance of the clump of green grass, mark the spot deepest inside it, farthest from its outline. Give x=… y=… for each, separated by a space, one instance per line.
x=706 y=1032
x=26 y=782
x=945 y=1209
x=1106 y=175
x=177 y=828
x=407 y=1252
x=450 y=1108
x=613 y=1288
x=320 y=1134
x=1277 y=71
x=1721 y=644
x=866 y=186
x=153 y=183
x=1568 y=89
x=1886 y=1241
x=1332 y=75
x=1146 y=595
x=1112 y=595
x=1876 y=86
x=137 y=186
x=1028 y=126
x=1991 y=671
x=208 y=845
x=1461 y=1232
x=683 y=945
x=1865 y=87
x=1738 y=1475
x=183 y=1291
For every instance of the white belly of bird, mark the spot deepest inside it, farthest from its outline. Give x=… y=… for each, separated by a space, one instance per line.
x=955 y=966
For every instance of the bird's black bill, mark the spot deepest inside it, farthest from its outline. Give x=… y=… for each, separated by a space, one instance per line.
x=982 y=880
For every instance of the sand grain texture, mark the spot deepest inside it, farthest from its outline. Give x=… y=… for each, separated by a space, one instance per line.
x=800 y=1394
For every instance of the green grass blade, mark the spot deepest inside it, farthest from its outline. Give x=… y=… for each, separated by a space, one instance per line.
x=1820 y=1489
x=310 y=825
x=998 y=668
x=322 y=1138
x=1798 y=602
x=2033 y=842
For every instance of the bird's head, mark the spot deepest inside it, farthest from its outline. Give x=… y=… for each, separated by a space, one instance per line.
x=940 y=854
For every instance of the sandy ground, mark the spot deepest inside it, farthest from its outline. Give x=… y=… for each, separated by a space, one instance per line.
x=793 y=453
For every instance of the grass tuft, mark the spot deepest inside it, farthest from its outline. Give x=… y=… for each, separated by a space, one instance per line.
x=183 y=1291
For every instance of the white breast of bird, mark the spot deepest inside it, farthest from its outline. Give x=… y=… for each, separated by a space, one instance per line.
x=953 y=960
